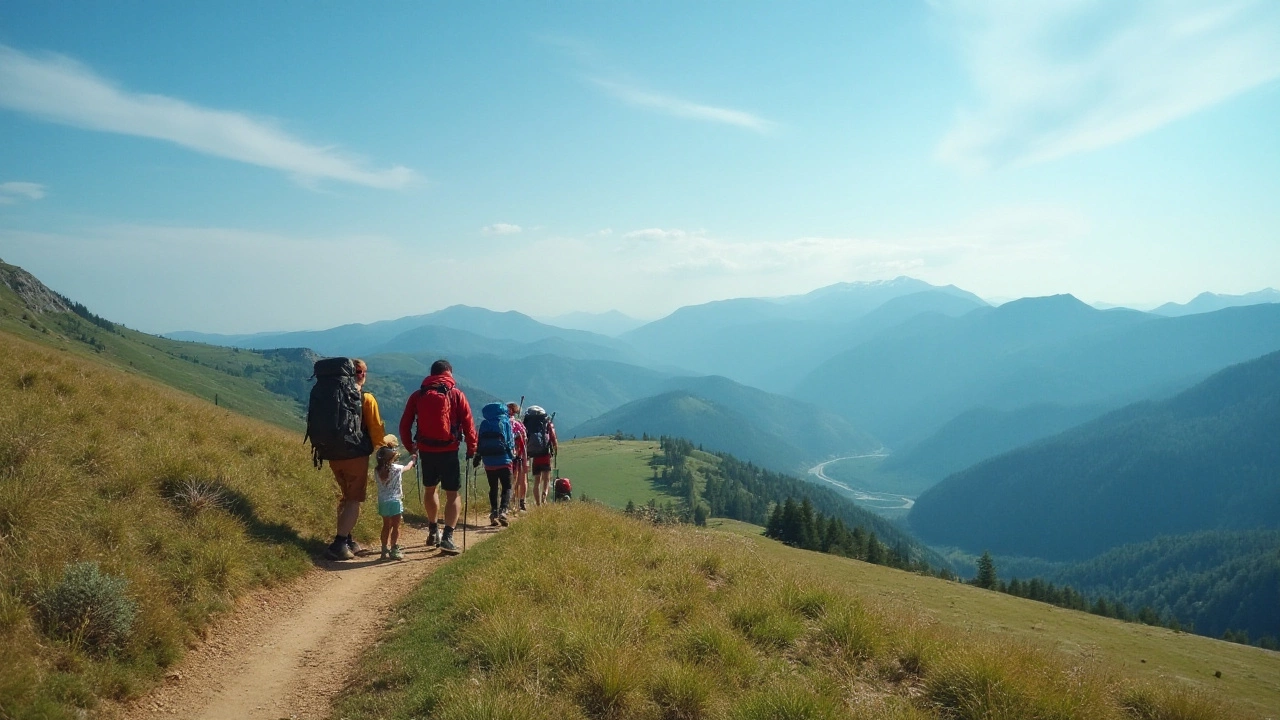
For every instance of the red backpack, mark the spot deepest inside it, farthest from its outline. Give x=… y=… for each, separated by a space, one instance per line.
x=434 y=407
x=564 y=488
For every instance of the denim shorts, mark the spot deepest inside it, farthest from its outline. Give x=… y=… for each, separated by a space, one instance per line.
x=390 y=508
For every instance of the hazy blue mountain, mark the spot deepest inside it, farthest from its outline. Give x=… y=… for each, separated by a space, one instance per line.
x=1209 y=302
x=611 y=323
x=448 y=342
x=361 y=339
x=770 y=342
x=980 y=433
x=770 y=429
x=574 y=389
x=907 y=382
x=1206 y=459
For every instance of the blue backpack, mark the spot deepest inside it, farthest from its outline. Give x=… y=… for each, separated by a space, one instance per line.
x=496 y=441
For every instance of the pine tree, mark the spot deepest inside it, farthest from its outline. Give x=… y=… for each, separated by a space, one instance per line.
x=986 y=577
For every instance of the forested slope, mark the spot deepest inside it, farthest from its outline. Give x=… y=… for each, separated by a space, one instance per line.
x=1205 y=459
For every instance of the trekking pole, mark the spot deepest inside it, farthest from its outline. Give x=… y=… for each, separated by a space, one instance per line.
x=466 y=503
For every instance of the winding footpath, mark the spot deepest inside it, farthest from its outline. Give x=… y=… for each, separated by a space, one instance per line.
x=286 y=652
x=883 y=501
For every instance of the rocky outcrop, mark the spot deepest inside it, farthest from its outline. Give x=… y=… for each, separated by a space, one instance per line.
x=34 y=294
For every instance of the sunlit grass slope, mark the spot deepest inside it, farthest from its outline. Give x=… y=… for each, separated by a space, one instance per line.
x=580 y=612
x=187 y=503
x=612 y=471
x=236 y=378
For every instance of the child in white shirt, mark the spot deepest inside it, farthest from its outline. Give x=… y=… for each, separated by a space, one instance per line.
x=390 y=499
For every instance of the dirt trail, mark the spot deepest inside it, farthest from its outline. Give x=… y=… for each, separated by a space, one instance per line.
x=286 y=652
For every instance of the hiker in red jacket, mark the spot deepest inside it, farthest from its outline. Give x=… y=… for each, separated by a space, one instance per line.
x=443 y=418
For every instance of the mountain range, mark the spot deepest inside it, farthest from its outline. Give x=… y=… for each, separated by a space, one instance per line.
x=1205 y=459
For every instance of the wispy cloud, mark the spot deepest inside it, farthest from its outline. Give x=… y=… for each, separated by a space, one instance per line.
x=679 y=107
x=59 y=89
x=12 y=192
x=1069 y=76
x=501 y=229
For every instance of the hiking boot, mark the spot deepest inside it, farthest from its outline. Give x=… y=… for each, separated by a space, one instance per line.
x=522 y=507
x=433 y=538
x=353 y=546
x=447 y=546
x=385 y=553
x=338 y=550
x=493 y=521
x=397 y=552
x=502 y=520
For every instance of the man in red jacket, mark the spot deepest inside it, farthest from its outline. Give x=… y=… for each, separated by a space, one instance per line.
x=443 y=418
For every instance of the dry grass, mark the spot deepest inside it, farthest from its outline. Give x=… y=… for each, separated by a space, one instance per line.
x=579 y=612
x=188 y=504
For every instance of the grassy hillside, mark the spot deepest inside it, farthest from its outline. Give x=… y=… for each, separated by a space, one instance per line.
x=715 y=426
x=1206 y=459
x=129 y=513
x=270 y=386
x=613 y=472
x=577 y=612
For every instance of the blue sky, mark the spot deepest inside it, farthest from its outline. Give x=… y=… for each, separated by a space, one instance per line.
x=237 y=167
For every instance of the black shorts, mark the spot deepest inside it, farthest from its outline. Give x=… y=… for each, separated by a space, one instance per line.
x=541 y=463
x=441 y=469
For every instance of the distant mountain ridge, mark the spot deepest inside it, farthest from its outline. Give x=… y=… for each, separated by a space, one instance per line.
x=503 y=331
x=612 y=323
x=1206 y=459
x=1209 y=302
x=910 y=380
x=772 y=341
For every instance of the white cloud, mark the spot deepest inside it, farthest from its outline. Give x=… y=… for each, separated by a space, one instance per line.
x=501 y=229
x=656 y=234
x=12 y=192
x=1067 y=76
x=684 y=108
x=59 y=89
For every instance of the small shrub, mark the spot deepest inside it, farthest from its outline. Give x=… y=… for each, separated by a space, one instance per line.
x=88 y=608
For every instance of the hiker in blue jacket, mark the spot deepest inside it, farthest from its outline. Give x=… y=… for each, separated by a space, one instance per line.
x=496 y=449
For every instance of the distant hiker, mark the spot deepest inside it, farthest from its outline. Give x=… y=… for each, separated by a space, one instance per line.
x=520 y=462
x=344 y=427
x=542 y=445
x=443 y=418
x=388 y=476
x=497 y=446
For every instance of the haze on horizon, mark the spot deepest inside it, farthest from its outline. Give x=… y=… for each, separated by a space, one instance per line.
x=239 y=168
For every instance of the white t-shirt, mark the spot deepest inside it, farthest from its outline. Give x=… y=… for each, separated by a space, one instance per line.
x=392 y=488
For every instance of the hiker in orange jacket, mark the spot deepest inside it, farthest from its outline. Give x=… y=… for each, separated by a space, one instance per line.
x=443 y=419
x=353 y=475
